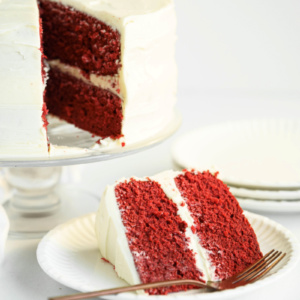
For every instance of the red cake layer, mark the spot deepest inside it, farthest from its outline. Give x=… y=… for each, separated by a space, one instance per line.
x=156 y=235
x=220 y=224
x=79 y=40
x=87 y=107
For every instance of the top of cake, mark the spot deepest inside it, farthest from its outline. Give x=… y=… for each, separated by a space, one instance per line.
x=114 y=12
x=120 y=8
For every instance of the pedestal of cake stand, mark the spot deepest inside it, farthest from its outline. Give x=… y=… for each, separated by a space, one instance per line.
x=38 y=203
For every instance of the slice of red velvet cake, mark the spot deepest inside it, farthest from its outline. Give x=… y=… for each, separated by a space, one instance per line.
x=174 y=225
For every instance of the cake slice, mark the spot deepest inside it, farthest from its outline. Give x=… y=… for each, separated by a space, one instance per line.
x=174 y=225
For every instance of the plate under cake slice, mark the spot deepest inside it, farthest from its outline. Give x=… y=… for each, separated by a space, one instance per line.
x=174 y=225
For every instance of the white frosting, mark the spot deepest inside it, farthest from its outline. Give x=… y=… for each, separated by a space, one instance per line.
x=61 y=151
x=21 y=87
x=110 y=230
x=112 y=240
x=166 y=180
x=110 y=83
x=147 y=78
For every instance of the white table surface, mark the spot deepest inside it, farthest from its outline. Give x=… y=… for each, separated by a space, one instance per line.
x=22 y=278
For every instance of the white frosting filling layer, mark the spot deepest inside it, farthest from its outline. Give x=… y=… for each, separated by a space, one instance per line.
x=167 y=182
x=112 y=239
x=110 y=83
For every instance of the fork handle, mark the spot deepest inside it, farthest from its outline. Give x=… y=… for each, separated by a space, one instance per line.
x=131 y=288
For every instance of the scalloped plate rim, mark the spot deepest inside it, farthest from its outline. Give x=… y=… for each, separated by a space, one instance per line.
x=274 y=195
x=262 y=205
x=45 y=264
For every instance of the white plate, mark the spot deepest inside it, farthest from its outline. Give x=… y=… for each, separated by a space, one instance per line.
x=265 y=194
x=291 y=206
x=258 y=153
x=69 y=254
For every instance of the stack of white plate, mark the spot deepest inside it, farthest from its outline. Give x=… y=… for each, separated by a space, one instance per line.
x=258 y=159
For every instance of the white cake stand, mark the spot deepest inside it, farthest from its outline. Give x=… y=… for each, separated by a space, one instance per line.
x=38 y=203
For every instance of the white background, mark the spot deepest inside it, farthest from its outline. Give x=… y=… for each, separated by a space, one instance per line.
x=239 y=44
x=237 y=59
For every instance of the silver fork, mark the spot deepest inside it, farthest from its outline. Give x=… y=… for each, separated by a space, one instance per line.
x=249 y=275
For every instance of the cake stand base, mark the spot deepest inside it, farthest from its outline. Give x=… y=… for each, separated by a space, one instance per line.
x=73 y=203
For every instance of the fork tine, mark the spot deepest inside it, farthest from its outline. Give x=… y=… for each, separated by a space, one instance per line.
x=259 y=266
x=255 y=264
x=262 y=268
x=252 y=279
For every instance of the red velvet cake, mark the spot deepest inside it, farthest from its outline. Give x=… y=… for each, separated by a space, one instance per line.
x=86 y=44
x=105 y=66
x=174 y=225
